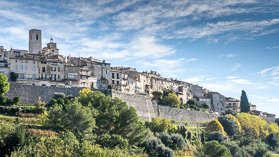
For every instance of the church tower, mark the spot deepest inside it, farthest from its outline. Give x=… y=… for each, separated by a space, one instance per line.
x=35 y=41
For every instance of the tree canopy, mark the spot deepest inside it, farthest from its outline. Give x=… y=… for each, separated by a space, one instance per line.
x=244 y=103
x=215 y=125
x=253 y=125
x=4 y=84
x=72 y=117
x=114 y=117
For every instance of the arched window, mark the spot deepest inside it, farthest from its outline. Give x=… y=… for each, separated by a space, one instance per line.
x=37 y=37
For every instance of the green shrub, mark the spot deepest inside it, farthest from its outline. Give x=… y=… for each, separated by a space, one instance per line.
x=13 y=76
x=257 y=148
x=88 y=150
x=13 y=110
x=72 y=117
x=215 y=125
x=4 y=84
x=163 y=151
x=115 y=117
x=161 y=125
x=253 y=125
x=173 y=141
x=217 y=136
x=235 y=150
x=241 y=153
x=112 y=141
x=150 y=146
x=178 y=142
x=230 y=126
x=213 y=149
x=273 y=141
x=11 y=137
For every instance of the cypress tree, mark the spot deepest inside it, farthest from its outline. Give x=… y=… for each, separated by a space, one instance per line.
x=244 y=103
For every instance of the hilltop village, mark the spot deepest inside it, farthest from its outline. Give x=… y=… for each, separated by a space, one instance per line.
x=46 y=67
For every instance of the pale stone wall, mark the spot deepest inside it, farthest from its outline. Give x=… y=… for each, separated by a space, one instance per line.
x=142 y=103
x=147 y=110
x=29 y=93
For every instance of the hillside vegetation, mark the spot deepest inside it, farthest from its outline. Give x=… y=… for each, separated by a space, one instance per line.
x=93 y=124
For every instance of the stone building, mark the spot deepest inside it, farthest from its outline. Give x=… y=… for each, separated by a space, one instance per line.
x=143 y=84
x=233 y=104
x=4 y=54
x=93 y=73
x=51 y=48
x=51 y=68
x=253 y=107
x=71 y=75
x=183 y=90
x=4 y=64
x=102 y=72
x=120 y=81
x=197 y=91
x=25 y=66
x=35 y=41
x=218 y=103
x=51 y=64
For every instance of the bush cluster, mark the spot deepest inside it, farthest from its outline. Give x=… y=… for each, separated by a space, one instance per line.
x=13 y=110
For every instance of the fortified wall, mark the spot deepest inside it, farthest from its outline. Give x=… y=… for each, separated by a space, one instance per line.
x=29 y=93
x=147 y=110
x=142 y=103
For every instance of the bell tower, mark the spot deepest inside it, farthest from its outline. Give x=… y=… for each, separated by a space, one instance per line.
x=35 y=41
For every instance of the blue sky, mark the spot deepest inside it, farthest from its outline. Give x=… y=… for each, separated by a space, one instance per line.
x=223 y=45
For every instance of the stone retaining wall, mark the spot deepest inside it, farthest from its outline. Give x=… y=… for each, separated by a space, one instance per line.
x=29 y=93
x=142 y=103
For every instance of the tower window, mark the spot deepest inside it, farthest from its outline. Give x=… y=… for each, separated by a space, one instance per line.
x=37 y=37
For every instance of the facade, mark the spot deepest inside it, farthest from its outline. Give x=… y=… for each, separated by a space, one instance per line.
x=51 y=48
x=207 y=101
x=4 y=64
x=197 y=91
x=71 y=75
x=143 y=84
x=217 y=102
x=253 y=107
x=119 y=80
x=233 y=104
x=25 y=67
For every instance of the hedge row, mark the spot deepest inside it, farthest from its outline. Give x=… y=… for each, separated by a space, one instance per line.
x=13 y=110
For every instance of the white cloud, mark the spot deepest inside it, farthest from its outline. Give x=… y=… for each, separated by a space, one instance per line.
x=242 y=28
x=220 y=87
x=231 y=77
x=273 y=47
x=240 y=81
x=191 y=60
x=141 y=47
x=168 y=67
x=273 y=100
x=229 y=55
x=8 y=4
x=199 y=79
x=19 y=32
x=271 y=71
x=236 y=66
x=149 y=46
